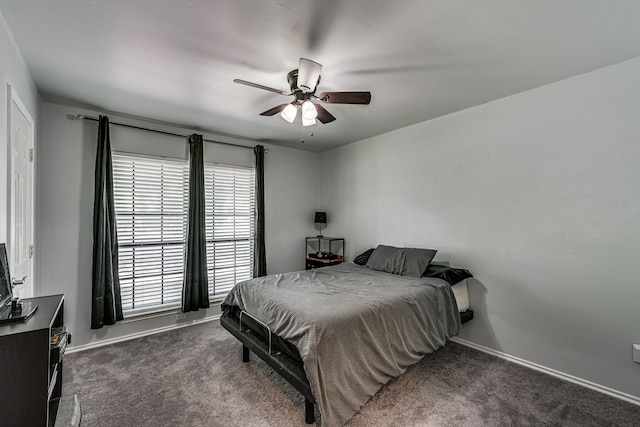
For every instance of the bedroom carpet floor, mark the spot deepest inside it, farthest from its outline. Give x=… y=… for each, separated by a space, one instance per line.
x=194 y=376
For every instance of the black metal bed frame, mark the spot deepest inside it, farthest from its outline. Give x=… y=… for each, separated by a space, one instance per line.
x=283 y=358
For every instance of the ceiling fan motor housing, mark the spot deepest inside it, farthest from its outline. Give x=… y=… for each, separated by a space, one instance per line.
x=301 y=96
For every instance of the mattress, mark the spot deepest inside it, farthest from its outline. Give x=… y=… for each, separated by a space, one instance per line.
x=461 y=294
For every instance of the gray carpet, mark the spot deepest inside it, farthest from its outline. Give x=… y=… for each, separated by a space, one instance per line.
x=195 y=377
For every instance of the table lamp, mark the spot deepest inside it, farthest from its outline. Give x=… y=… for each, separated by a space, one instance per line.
x=321 y=218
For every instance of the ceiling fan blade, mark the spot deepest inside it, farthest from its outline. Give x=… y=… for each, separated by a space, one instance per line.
x=346 y=97
x=323 y=115
x=273 y=111
x=308 y=75
x=259 y=86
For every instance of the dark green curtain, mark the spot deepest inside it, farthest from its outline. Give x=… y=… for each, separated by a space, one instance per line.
x=259 y=252
x=195 y=287
x=106 y=303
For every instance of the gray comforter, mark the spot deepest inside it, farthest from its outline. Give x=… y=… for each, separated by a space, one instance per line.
x=355 y=328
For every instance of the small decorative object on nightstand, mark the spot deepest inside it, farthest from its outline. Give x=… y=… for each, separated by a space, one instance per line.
x=323 y=251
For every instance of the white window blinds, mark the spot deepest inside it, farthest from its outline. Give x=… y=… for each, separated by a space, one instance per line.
x=230 y=209
x=151 y=197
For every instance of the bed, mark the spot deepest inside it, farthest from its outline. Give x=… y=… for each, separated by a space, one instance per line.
x=339 y=333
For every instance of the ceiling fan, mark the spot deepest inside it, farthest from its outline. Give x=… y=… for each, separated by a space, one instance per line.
x=303 y=83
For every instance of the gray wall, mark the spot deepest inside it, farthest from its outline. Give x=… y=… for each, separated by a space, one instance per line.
x=536 y=194
x=65 y=220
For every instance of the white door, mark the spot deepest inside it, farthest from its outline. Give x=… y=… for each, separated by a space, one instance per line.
x=21 y=211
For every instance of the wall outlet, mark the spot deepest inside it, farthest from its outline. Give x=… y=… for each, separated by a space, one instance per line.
x=636 y=353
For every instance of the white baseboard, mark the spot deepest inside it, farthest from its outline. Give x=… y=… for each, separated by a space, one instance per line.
x=563 y=376
x=110 y=341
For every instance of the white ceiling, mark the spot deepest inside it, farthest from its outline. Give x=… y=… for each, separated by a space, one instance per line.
x=175 y=60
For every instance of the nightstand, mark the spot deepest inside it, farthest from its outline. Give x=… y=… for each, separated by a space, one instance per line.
x=323 y=251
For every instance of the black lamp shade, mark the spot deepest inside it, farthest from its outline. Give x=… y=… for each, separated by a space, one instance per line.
x=321 y=218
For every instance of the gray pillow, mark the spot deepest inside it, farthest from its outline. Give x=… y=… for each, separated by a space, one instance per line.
x=417 y=261
x=387 y=258
x=403 y=261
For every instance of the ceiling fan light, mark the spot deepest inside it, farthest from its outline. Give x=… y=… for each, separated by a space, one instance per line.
x=289 y=113
x=308 y=75
x=309 y=111
x=308 y=122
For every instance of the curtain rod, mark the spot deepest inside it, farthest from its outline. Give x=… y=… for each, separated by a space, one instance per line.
x=83 y=117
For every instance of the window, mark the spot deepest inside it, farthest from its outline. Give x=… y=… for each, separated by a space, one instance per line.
x=230 y=210
x=151 y=200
